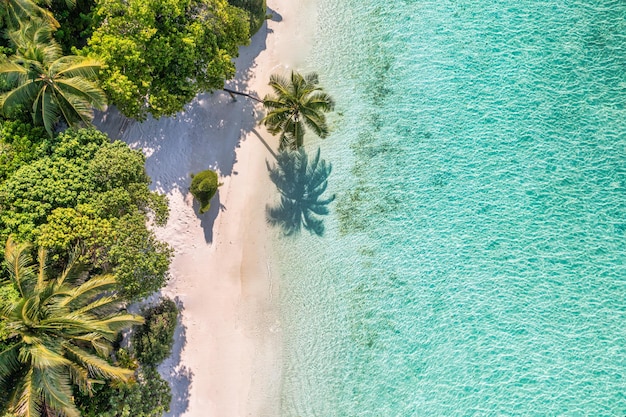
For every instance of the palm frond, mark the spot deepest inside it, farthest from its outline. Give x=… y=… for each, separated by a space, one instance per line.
x=43 y=358
x=122 y=321
x=13 y=72
x=75 y=66
x=72 y=269
x=80 y=377
x=85 y=89
x=75 y=109
x=28 y=403
x=42 y=256
x=18 y=11
x=16 y=259
x=280 y=85
x=81 y=295
x=24 y=93
x=46 y=110
x=9 y=363
x=56 y=391
x=97 y=366
x=98 y=304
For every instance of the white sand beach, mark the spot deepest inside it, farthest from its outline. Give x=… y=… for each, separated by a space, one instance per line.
x=227 y=355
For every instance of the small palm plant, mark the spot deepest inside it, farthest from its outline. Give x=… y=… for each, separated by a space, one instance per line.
x=301 y=183
x=61 y=329
x=54 y=86
x=298 y=102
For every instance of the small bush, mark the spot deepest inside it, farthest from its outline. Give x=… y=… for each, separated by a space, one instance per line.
x=154 y=339
x=203 y=187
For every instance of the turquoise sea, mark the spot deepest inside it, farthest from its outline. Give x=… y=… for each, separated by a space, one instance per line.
x=474 y=260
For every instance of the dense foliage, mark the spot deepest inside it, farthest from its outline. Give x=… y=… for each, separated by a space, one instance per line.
x=54 y=86
x=159 y=54
x=61 y=331
x=90 y=193
x=153 y=341
x=203 y=187
x=256 y=10
x=21 y=143
x=76 y=24
x=147 y=395
x=85 y=200
x=14 y=13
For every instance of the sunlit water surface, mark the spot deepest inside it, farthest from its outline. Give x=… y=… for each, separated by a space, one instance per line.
x=473 y=262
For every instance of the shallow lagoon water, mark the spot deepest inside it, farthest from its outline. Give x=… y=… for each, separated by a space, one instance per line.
x=474 y=260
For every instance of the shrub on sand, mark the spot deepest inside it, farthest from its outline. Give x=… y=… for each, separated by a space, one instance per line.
x=203 y=187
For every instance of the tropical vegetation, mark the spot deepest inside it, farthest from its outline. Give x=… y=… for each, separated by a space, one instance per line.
x=256 y=10
x=61 y=326
x=159 y=54
x=52 y=85
x=298 y=101
x=154 y=339
x=93 y=194
x=147 y=394
x=84 y=200
x=15 y=12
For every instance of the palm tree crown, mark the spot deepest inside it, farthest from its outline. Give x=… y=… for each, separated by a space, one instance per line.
x=61 y=329
x=55 y=86
x=297 y=102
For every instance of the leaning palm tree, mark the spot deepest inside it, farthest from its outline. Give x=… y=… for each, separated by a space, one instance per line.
x=301 y=183
x=54 y=86
x=62 y=328
x=297 y=102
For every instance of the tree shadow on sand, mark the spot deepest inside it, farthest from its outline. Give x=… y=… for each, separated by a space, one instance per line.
x=179 y=376
x=205 y=135
x=301 y=182
x=207 y=219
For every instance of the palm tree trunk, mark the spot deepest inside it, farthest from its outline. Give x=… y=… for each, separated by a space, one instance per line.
x=232 y=92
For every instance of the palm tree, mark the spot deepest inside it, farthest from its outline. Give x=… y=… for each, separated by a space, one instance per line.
x=61 y=329
x=297 y=102
x=301 y=183
x=55 y=86
x=15 y=12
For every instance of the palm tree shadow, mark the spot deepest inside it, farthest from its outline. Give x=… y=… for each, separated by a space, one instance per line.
x=301 y=182
x=178 y=375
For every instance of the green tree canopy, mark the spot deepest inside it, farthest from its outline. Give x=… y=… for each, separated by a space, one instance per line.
x=93 y=194
x=21 y=143
x=159 y=54
x=256 y=10
x=62 y=329
x=297 y=102
x=148 y=395
x=54 y=86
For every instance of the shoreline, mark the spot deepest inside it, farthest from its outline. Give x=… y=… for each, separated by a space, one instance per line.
x=227 y=358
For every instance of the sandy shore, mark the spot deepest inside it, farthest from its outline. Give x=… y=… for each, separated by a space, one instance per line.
x=227 y=356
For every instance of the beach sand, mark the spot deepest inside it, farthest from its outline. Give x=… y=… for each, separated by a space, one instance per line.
x=227 y=354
